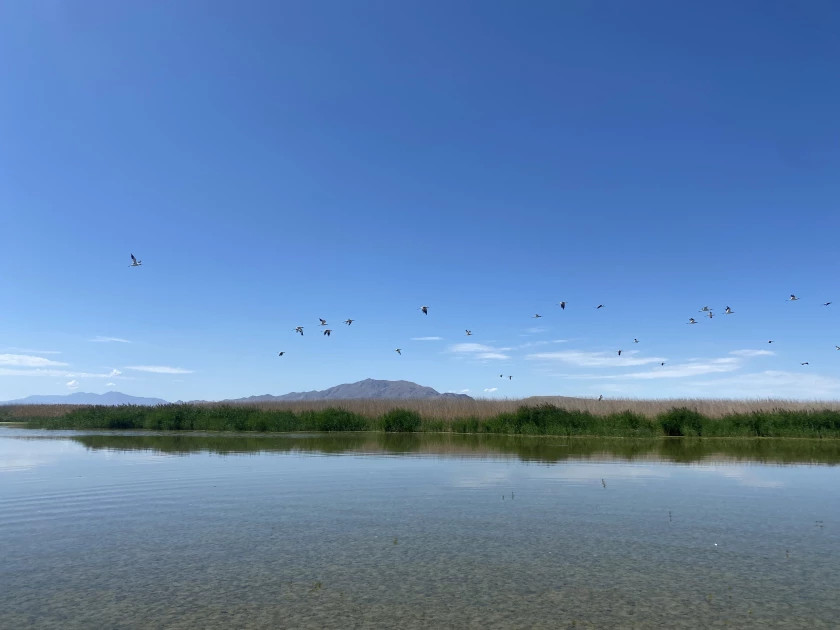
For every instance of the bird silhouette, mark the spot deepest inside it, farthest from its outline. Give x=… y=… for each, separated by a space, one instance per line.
x=691 y=320
x=563 y=305
x=826 y=303
x=599 y=306
x=635 y=340
x=619 y=353
x=280 y=354
x=536 y=316
x=299 y=329
x=469 y=332
x=323 y=321
x=135 y=262
x=793 y=298
x=425 y=310
x=728 y=311
x=804 y=363
x=398 y=351
x=327 y=332
x=349 y=321
x=510 y=378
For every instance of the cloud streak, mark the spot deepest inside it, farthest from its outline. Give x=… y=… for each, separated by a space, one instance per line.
x=158 y=369
x=479 y=351
x=27 y=360
x=581 y=358
x=427 y=338
x=101 y=339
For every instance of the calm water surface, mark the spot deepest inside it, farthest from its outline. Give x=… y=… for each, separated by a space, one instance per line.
x=143 y=530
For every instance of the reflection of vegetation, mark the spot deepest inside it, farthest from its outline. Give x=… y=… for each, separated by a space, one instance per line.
x=545 y=449
x=525 y=420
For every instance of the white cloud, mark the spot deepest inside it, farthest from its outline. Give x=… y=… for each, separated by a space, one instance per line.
x=479 y=351
x=803 y=385
x=535 y=330
x=490 y=389
x=693 y=368
x=74 y=384
x=463 y=391
x=531 y=344
x=426 y=338
x=753 y=353
x=158 y=369
x=52 y=372
x=26 y=360
x=109 y=385
x=31 y=351
x=101 y=339
x=114 y=372
x=595 y=359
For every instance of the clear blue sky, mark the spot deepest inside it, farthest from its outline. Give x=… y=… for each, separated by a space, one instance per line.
x=272 y=163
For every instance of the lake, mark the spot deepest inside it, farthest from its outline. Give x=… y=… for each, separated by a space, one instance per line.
x=150 y=530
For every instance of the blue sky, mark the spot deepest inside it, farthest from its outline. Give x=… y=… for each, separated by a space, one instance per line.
x=273 y=163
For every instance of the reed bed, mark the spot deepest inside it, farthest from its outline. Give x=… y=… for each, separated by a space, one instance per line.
x=400 y=417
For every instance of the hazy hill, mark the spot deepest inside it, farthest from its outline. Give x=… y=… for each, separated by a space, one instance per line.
x=368 y=388
x=84 y=398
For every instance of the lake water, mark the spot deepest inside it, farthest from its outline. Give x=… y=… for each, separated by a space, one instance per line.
x=144 y=530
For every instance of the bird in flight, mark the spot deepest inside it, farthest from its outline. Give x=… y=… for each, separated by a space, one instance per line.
x=601 y=397
x=837 y=347
x=299 y=329
x=502 y=375
x=619 y=353
x=705 y=309
x=349 y=321
x=536 y=316
x=469 y=332
x=711 y=314
x=599 y=306
x=327 y=332
x=135 y=262
x=510 y=378
x=280 y=354
x=323 y=321
x=826 y=303
x=804 y=363
x=771 y=341
x=425 y=310
x=635 y=340
x=691 y=320
x=728 y=311
x=663 y=363
x=398 y=351
x=563 y=305
x=792 y=298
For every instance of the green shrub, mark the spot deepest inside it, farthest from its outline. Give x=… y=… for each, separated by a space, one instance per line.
x=401 y=420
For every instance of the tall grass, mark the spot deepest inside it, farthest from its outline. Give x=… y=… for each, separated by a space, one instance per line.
x=540 y=419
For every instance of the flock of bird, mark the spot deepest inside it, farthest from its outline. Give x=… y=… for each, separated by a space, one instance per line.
x=706 y=310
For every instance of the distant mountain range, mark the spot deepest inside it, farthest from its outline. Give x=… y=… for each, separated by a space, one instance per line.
x=84 y=398
x=368 y=388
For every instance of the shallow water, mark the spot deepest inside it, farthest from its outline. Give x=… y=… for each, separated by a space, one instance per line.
x=144 y=530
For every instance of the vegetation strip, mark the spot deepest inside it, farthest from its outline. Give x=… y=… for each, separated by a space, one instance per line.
x=526 y=420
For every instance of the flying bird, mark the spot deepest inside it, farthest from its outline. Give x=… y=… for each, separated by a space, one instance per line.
x=728 y=311
x=563 y=305
x=711 y=314
x=398 y=351
x=327 y=332
x=280 y=354
x=601 y=397
x=323 y=321
x=619 y=353
x=792 y=298
x=804 y=363
x=663 y=363
x=425 y=310
x=510 y=378
x=826 y=303
x=635 y=340
x=691 y=320
x=705 y=309
x=771 y=341
x=135 y=262
x=536 y=316
x=299 y=329
x=502 y=375
x=349 y=321
x=599 y=306
x=469 y=332
x=837 y=347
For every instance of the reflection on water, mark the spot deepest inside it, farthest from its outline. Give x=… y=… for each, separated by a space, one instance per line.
x=181 y=531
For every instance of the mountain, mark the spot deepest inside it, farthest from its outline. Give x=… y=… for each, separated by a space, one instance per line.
x=83 y=398
x=368 y=388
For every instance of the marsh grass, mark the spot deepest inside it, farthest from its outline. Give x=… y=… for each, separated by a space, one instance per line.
x=522 y=418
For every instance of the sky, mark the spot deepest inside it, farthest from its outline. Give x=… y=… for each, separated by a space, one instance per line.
x=273 y=163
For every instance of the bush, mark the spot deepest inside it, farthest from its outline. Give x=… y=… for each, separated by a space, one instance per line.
x=401 y=420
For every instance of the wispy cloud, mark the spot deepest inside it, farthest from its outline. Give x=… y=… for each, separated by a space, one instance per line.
x=110 y=385
x=74 y=384
x=479 y=351
x=427 y=338
x=535 y=330
x=31 y=351
x=101 y=339
x=534 y=344
x=27 y=360
x=774 y=384
x=753 y=353
x=490 y=390
x=691 y=368
x=595 y=359
x=158 y=369
x=464 y=391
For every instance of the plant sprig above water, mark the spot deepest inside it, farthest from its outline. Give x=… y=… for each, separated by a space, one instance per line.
x=541 y=419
